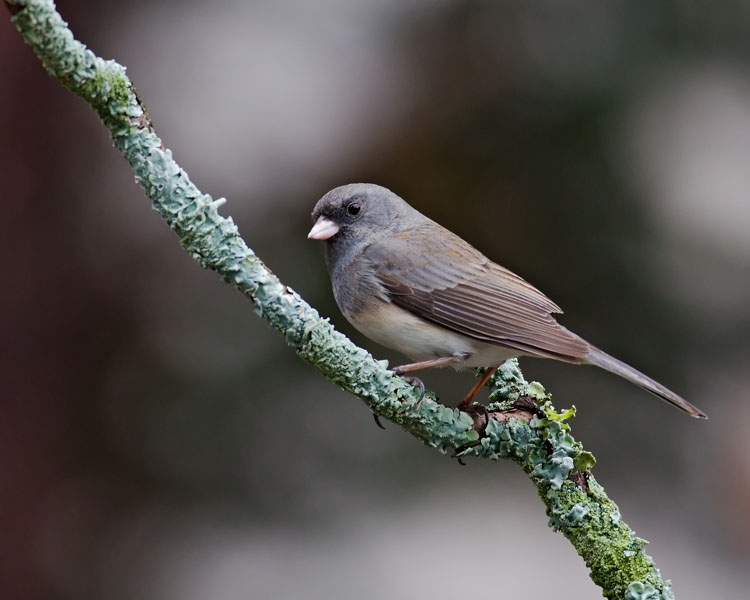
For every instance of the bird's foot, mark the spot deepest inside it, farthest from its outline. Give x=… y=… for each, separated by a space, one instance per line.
x=458 y=458
x=415 y=381
x=525 y=403
x=478 y=413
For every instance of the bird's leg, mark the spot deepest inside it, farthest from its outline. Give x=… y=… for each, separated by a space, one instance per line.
x=416 y=381
x=478 y=411
x=424 y=364
x=469 y=399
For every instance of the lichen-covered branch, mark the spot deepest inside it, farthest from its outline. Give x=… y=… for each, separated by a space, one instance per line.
x=521 y=423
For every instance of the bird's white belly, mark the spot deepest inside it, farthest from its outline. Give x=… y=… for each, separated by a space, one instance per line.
x=398 y=329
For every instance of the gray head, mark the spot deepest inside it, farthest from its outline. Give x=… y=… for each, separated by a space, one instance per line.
x=351 y=216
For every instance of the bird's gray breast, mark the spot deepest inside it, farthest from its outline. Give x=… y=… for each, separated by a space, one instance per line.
x=356 y=288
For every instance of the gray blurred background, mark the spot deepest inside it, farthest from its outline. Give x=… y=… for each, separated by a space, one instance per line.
x=159 y=441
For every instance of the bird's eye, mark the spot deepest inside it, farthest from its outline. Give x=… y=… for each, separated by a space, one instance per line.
x=353 y=208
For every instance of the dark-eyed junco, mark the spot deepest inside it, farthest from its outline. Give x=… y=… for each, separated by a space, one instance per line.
x=411 y=285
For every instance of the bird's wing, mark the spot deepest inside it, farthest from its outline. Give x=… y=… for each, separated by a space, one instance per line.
x=447 y=281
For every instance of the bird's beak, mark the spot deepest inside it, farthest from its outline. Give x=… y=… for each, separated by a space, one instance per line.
x=323 y=229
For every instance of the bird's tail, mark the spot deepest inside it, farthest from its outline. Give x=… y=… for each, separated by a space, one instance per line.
x=611 y=364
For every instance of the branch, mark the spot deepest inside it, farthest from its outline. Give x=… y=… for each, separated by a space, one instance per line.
x=516 y=427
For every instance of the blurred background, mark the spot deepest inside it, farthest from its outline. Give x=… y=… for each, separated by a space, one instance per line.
x=159 y=441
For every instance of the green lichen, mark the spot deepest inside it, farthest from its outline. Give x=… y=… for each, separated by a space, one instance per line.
x=559 y=417
x=576 y=506
x=542 y=445
x=535 y=391
x=638 y=590
x=507 y=384
x=102 y=83
x=615 y=555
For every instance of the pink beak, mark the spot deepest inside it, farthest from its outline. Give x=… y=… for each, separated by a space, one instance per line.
x=323 y=229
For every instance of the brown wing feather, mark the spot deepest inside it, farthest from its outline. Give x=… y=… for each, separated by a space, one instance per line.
x=454 y=285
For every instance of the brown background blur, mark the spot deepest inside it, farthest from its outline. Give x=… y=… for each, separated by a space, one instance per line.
x=158 y=441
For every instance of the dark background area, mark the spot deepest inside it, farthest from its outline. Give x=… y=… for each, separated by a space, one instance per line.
x=158 y=440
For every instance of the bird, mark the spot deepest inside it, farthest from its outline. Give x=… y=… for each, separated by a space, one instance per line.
x=411 y=285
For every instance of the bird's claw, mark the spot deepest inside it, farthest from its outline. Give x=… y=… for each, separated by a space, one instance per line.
x=415 y=381
x=481 y=417
x=479 y=414
x=456 y=455
x=528 y=404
